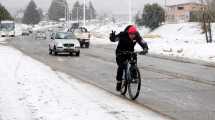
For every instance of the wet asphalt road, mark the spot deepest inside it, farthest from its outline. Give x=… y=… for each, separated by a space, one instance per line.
x=168 y=87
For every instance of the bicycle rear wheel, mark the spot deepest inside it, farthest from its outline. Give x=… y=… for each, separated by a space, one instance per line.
x=124 y=87
x=134 y=86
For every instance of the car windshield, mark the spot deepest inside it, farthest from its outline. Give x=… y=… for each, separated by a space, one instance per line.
x=64 y=36
x=7 y=26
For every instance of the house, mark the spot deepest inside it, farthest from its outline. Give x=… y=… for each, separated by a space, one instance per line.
x=178 y=13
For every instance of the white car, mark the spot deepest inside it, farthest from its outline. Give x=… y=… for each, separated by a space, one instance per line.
x=7 y=28
x=25 y=32
x=40 y=35
x=64 y=42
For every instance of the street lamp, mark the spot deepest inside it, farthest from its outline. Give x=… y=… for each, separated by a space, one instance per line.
x=84 y=15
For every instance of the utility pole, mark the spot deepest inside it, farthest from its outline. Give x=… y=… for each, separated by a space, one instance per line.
x=65 y=12
x=84 y=20
x=77 y=14
x=165 y=10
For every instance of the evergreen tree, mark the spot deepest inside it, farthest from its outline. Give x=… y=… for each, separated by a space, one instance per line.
x=41 y=13
x=4 y=14
x=57 y=9
x=91 y=12
x=77 y=11
x=31 y=14
x=152 y=17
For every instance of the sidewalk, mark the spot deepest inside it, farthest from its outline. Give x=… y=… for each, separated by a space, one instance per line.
x=30 y=90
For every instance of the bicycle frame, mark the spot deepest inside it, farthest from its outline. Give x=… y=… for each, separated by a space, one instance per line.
x=128 y=76
x=127 y=71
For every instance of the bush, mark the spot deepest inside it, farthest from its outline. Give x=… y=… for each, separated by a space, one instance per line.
x=196 y=16
x=152 y=17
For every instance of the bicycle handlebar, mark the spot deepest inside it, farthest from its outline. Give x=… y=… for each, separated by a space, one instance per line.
x=129 y=52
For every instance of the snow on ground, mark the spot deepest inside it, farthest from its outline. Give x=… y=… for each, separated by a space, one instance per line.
x=19 y=28
x=39 y=27
x=30 y=90
x=181 y=40
x=101 y=31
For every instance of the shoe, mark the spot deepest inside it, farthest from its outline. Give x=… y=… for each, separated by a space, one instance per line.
x=134 y=81
x=118 y=85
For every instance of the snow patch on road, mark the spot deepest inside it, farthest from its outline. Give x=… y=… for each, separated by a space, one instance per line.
x=31 y=90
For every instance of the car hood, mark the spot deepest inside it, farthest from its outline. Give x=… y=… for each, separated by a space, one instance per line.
x=67 y=41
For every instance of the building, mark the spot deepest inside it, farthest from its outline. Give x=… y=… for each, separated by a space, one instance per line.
x=182 y=12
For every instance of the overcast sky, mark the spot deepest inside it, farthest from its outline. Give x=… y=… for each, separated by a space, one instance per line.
x=110 y=6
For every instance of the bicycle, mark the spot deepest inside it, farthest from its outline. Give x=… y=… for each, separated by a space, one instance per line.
x=131 y=76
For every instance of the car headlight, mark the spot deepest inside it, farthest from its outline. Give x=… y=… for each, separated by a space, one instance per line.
x=77 y=45
x=11 y=33
x=59 y=45
x=3 y=33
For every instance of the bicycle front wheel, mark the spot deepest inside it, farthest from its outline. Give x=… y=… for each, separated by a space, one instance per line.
x=134 y=86
x=123 y=87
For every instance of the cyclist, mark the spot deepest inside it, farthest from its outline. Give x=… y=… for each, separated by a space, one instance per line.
x=127 y=40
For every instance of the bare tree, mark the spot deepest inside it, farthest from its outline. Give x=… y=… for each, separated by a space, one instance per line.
x=207 y=18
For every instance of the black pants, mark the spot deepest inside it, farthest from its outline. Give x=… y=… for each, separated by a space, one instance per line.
x=121 y=59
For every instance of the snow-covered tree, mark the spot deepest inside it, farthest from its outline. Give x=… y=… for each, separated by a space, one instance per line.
x=31 y=14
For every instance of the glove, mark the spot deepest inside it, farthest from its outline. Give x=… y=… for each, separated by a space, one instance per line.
x=144 y=52
x=113 y=36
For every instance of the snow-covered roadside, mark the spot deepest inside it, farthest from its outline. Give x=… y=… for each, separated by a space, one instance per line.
x=30 y=90
x=204 y=52
x=100 y=31
x=184 y=40
x=2 y=40
x=19 y=28
x=38 y=27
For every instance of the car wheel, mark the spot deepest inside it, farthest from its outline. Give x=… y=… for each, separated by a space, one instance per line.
x=50 y=51
x=55 y=51
x=87 y=45
x=77 y=54
x=71 y=54
x=81 y=45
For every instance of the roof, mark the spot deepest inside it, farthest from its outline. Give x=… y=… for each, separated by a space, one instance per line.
x=6 y=21
x=182 y=2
